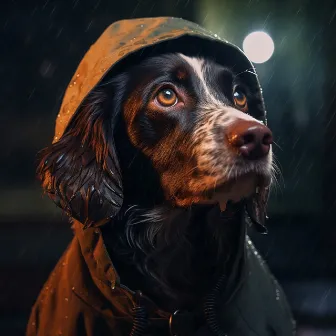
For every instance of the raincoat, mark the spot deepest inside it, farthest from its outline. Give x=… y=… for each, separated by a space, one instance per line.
x=84 y=294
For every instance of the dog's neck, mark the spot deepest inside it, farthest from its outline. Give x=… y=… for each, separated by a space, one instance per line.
x=173 y=255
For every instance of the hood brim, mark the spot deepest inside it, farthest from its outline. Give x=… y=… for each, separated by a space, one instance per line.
x=127 y=42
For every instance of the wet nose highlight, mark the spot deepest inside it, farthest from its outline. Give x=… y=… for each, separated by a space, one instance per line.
x=251 y=139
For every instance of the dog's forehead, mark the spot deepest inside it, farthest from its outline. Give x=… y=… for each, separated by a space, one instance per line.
x=181 y=65
x=196 y=64
x=206 y=72
x=201 y=67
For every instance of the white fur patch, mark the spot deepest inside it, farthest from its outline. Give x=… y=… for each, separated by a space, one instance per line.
x=198 y=65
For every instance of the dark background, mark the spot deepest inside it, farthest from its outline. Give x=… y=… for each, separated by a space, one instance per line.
x=41 y=44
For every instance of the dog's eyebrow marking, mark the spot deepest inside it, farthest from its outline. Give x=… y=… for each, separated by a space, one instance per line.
x=198 y=65
x=181 y=74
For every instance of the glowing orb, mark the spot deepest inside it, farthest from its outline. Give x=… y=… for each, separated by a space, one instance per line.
x=258 y=47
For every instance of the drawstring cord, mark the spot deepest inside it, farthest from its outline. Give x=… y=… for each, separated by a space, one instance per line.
x=210 y=308
x=140 y=318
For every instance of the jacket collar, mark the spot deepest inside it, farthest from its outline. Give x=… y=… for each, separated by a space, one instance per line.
x=106 y=277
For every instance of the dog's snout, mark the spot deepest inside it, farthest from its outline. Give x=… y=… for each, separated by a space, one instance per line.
x=252 y=139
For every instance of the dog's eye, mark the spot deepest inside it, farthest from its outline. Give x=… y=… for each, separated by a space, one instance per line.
x=167 y=97
x=240 y=99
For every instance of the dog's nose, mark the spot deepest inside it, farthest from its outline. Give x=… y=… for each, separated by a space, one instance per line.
x=252 y=139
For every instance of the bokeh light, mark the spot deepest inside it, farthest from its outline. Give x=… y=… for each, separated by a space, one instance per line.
x=258 y=47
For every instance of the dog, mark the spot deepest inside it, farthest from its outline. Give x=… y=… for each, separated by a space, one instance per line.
x=178 y=143
x=191 y=135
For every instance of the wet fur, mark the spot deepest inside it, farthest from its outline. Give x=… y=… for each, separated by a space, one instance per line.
x=122 y=162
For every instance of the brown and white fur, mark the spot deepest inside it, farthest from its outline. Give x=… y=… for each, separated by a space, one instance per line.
x=179 y=167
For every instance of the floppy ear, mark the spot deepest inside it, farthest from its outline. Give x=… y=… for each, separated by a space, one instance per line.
x=80 y=172
x=256 y=209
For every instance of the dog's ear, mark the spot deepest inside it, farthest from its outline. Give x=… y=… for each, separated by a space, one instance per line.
x=256 y=208
x=80 y=172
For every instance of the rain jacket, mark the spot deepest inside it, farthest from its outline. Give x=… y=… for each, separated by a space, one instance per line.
x=84 y=294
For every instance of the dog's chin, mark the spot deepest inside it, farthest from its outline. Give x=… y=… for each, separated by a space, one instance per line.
x=228 y=192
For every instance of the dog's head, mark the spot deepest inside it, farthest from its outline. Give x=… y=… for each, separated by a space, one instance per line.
x=173 y=129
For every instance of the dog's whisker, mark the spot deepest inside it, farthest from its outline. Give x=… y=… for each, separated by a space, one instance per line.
x=276 y=169
x=276 y=185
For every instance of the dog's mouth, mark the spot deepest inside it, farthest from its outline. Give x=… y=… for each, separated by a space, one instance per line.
x=235 y=190
x=231 y=191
